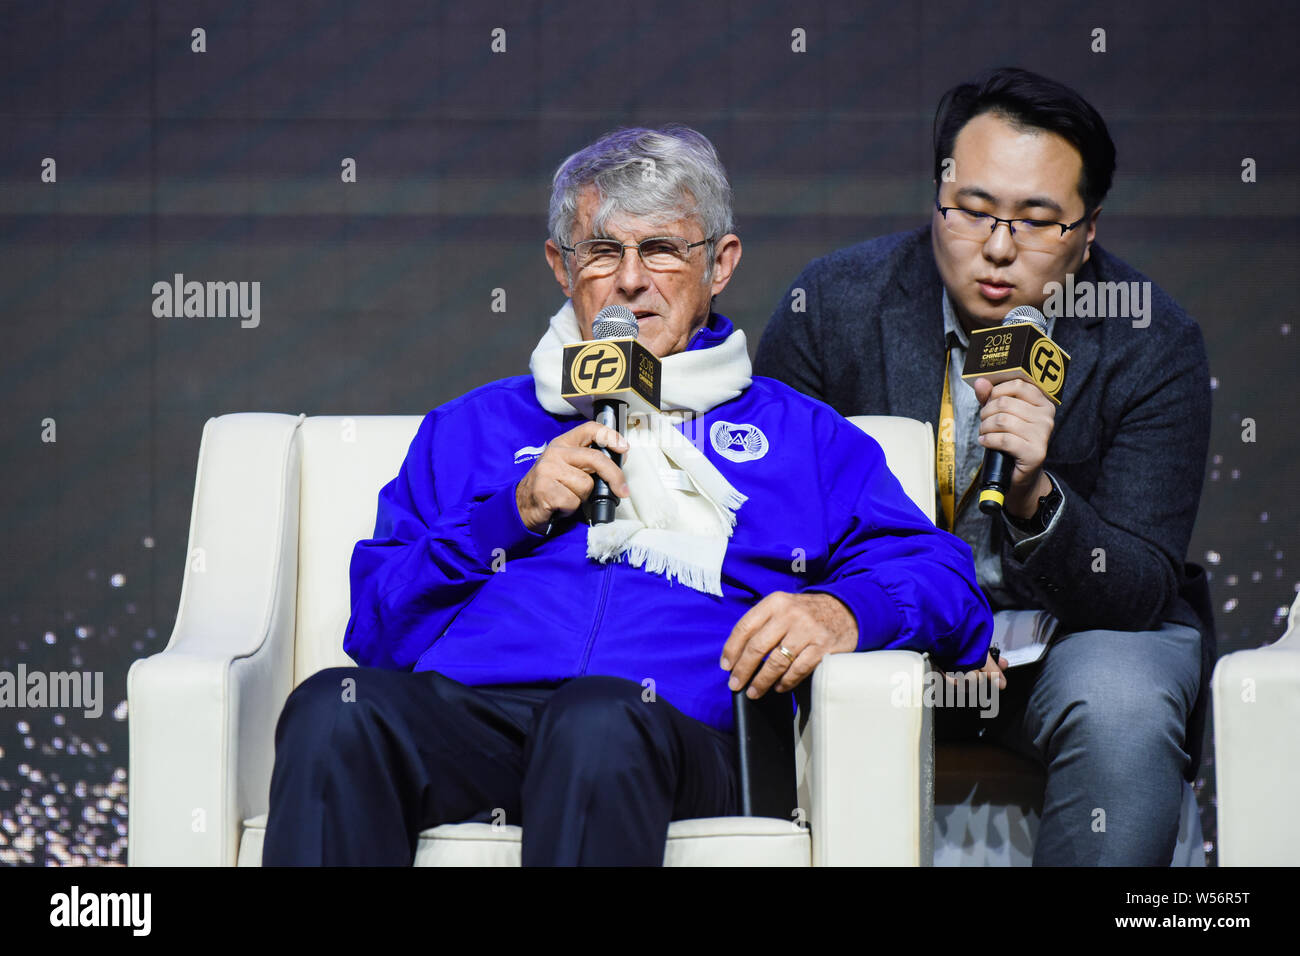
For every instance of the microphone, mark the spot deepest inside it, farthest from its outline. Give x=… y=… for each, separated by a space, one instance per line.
x=612 y=322
x=1019 y=348
x=605 y=377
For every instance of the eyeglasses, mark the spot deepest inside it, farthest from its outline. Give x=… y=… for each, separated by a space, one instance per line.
x=1041 y=234
x=596 y=258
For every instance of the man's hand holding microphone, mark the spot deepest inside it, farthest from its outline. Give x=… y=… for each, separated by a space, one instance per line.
x=1017 y=418
x=561 y=479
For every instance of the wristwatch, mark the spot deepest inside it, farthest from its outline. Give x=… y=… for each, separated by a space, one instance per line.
x=1037 y=522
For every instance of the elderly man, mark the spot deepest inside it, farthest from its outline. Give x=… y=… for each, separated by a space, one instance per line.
x=522 y=665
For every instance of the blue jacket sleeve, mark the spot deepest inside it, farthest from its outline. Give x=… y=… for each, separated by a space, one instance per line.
x=425 y=561
x=908 y=583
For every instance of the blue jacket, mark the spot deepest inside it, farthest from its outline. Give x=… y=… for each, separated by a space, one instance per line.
x=453 y=581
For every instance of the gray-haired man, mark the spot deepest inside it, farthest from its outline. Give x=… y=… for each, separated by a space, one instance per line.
x=522 y=666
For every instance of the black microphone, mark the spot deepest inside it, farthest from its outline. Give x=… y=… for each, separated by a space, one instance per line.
x=612 y=322
x=1019 y=348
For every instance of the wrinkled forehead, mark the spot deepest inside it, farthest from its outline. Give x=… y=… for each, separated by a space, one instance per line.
x=623 y=217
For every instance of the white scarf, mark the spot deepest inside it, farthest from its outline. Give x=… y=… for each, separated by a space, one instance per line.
x=662 y=526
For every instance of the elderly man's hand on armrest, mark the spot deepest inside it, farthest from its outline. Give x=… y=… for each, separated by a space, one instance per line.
x=793 y=632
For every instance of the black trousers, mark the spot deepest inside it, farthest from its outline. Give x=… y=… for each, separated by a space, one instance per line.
x=367 y=758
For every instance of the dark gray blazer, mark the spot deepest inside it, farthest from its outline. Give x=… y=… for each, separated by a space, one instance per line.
x=1128 y=445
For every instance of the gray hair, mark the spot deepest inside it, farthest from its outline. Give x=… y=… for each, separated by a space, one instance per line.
x=659 y=175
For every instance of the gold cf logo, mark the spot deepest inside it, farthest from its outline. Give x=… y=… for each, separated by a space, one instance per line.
x=596 y=364
x=1047 y=367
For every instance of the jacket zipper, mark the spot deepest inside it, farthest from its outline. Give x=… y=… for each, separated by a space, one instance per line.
x=600 y=613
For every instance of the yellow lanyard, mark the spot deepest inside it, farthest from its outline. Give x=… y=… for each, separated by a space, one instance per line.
x=945 y=459
x=946 y=454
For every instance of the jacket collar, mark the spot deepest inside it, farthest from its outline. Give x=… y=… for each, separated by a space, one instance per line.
x=713 y=332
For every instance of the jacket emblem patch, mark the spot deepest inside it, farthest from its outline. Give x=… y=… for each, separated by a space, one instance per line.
x=738 y=442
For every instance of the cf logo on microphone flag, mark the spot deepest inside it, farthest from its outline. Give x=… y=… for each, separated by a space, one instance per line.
x=602 y=371
x=595 y=364
x=1047 y=366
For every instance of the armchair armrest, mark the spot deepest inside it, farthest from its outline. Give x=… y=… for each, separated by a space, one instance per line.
x=1256 y=697
x=869 y=780
x=202 y=713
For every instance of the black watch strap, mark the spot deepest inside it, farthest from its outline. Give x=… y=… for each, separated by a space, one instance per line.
x=1037 y=522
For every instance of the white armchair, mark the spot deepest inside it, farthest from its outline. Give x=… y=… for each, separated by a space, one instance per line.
x=1256 y=697
x=279 y=503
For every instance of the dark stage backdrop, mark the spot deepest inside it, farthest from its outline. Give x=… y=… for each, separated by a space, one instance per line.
x=376 y=296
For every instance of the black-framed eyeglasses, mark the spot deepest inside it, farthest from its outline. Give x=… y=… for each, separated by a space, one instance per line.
x=601 y=257
x=1040 y=234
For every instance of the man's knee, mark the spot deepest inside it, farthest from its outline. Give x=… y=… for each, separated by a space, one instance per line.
x=1126 y=725
x=591 y=700
x=605 y=713
x=337 y=706
x=313 y=702
x=1115 y=714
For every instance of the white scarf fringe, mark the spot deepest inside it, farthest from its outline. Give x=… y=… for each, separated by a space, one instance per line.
x=661 y=527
